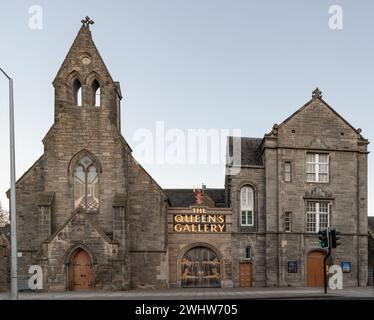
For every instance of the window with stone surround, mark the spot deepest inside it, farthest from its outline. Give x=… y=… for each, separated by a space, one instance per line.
x=77 y=92
x=317 y=167
x=248 y=252
x=287 y=171
x=86 y=185
x=287 y=221
x=246 y=206
x=317 y=216
x=96 y=93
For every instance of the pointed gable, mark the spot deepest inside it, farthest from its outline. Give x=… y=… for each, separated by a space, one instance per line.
x=79 y=227
x=83 y=80
x=317 y=125
x=83 y=57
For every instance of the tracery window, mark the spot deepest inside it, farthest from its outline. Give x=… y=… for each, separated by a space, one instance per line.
x=86 y=185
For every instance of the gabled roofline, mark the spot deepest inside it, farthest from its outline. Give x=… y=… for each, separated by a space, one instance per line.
x=86 y=216
x=330 y=108
x=82 y=29
x=27 y=171
x=146 y=172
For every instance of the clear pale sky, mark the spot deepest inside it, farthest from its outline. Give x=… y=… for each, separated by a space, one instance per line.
x=192 y=64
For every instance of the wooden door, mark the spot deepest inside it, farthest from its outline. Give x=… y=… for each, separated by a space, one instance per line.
x=82 y=271
x=315 y=269
x=245 y=274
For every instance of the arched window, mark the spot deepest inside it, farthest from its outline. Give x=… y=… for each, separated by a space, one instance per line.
x=86 y=185
x=96 y=93
x=248 y=252
x=77 y=92
x=246 y=206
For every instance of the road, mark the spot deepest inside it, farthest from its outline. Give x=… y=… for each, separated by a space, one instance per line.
x=203 y=294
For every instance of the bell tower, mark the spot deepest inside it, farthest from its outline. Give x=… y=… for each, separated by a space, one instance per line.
x=83 y=83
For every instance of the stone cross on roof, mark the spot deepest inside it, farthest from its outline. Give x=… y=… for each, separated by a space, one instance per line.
x=317 y=93
x=87 y=21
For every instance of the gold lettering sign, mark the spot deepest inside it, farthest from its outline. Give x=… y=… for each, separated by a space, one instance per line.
x=200 y=221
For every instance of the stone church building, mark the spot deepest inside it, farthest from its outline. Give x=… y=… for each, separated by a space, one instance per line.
x=93 y=218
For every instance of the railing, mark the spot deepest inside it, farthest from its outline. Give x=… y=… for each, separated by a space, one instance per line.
x=23 y=284
x=371 y=275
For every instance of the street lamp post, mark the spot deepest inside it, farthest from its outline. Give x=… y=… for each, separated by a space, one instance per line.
x=13 y=223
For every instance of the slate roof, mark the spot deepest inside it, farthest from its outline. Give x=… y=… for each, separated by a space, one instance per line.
x=250 y=150
x=186 y=197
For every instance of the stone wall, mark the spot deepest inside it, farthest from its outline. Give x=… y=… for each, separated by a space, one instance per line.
x=318 y=128
x=315 y=127
x=257 y=243
x=132 y=208
x=81 y=232
x=219 y=242
x=147 y=227
x=4 y=259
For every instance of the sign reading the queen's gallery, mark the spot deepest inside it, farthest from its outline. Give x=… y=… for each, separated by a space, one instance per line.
x=199 y=221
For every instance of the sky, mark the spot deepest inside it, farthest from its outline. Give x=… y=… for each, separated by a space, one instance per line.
x=212 y=64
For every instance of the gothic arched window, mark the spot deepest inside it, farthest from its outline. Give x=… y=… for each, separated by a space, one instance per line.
x=86 y=185
x=96 y=93
x=77 y=92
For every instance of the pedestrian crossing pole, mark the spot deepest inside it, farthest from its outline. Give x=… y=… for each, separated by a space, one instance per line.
x=325 y=259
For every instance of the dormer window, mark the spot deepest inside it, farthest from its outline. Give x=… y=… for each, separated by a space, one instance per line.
x=77 y=93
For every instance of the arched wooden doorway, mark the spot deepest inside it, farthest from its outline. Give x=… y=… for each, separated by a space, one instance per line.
x=314 y=269
x=200 y=268
x=81 y=271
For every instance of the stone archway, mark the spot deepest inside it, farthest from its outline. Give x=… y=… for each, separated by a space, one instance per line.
x=200 y=268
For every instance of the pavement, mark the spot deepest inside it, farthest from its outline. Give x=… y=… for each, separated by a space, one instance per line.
x=203 y=294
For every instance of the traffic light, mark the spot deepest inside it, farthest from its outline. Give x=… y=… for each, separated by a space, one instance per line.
x=334 y=238
x=323 y=238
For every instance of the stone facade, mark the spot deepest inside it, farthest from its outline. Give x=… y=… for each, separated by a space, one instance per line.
x=371 y=241
x=4 y=258
x=87 y=198
x=50 y=226
x=181 y=241
x=315 y=128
